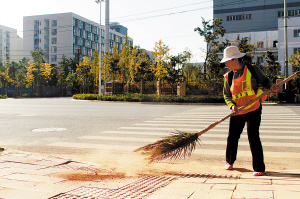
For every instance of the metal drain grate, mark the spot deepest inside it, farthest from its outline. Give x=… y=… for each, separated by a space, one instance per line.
x=137 y=190
x=198 y=175
x=68 y=165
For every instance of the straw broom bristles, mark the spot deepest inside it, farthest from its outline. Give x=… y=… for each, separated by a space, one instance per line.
x=179 y=145
x=176 y=146
x=182 y=144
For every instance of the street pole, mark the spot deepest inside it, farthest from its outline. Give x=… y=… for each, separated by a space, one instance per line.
x=100 y=49
x=285 y=46
x=106 y=43
x=106 y=39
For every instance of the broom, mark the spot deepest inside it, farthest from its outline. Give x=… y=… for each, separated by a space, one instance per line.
x=182 y=144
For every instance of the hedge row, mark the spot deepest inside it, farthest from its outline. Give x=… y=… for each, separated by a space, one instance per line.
x=3 y=96
x=150 y=98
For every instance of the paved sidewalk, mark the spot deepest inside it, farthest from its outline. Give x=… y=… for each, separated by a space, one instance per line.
x=34 y=176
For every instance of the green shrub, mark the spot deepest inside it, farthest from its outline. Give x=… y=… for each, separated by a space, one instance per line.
x=150 y=98
x=86 y=96
x=3 y=96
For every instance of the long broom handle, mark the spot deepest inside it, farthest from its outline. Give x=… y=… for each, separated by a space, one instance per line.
x=248 y=104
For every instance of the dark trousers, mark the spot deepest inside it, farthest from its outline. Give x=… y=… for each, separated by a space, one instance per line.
x=236 y=127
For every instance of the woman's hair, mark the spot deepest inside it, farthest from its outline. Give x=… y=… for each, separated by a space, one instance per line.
x=246 y=60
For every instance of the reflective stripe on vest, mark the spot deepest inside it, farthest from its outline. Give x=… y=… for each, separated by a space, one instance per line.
x=243 y=94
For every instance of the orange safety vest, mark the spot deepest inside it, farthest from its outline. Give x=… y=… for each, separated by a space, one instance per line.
x=242 y=92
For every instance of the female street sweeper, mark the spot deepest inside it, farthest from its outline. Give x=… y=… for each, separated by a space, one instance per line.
x=241 y=85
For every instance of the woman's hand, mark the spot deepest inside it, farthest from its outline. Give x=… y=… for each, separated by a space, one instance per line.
x=274 y=88
x=234 y=109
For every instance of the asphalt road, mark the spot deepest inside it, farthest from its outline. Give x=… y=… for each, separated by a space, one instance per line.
x=31 y=124
x=75 y=128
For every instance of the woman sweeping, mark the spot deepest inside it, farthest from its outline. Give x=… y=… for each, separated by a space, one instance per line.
x=241 y=85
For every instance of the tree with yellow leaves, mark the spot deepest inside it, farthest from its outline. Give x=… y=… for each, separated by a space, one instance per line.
x=83 y=72
x=125 y=59
x=95 y=68
x=30 y=68
x=46 y=71
x=4 y=76
x=105 y=67
x=133 y=64
x=159 y=68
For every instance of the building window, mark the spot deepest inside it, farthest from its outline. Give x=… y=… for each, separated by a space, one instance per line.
x=289 y=13
x=36 y=24
x=260 y=44
x=75 y=31
x=53 y=58
x=296 y=50
x=54 y=23
x=36 y=42
x=54 y=40
x=297 y=33
x=239 y=17
x=36 y=33
x=54 y=32
x=53 y=49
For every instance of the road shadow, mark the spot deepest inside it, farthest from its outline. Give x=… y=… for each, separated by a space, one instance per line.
x=283 y=174
x=271 y=173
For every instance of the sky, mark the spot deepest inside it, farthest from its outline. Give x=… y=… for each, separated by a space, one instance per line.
x=172 y=21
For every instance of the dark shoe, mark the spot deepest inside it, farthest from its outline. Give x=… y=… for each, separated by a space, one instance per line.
x=228 y=166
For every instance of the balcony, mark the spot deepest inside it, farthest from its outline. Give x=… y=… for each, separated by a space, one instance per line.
x=271 y=49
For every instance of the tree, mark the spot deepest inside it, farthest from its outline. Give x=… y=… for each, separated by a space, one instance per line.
x=295 y=62
x=139 y=66
x=4 y=76
x=175 y=68
x=272 y=66
x=192 y=73
x=173 y=71
x=105 y=67
x=64 y=67
x=95 y=69
x=161 y=56
x=211 y=33
x=83 y=72
x=134 y=64
x=30 y=78
x=114 y=67
x=46 y=71
x=125 y=59
x=245 y=46
x=38 y=59
x=21 y=71
x=143 y=67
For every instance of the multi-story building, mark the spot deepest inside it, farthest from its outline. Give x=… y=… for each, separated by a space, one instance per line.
x=66 y=34
x=262 y=22
x=11 y=45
